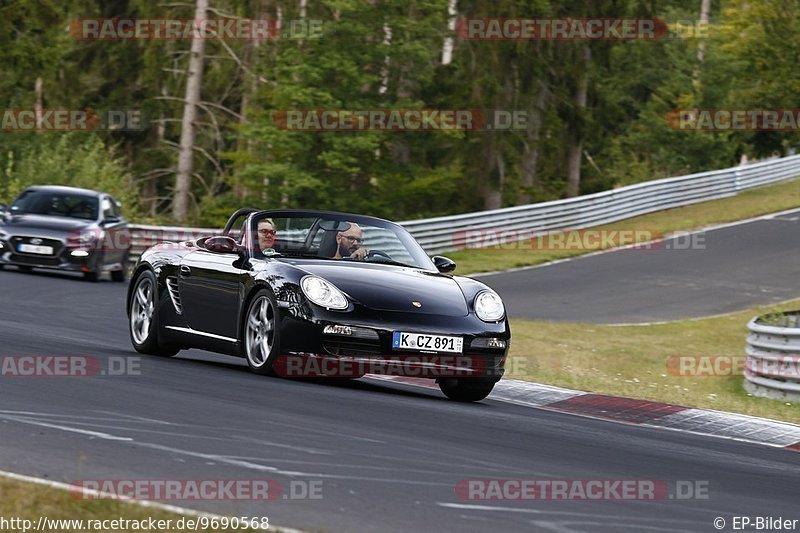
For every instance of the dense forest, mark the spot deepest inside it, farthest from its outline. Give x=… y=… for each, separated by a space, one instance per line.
x=598 y=110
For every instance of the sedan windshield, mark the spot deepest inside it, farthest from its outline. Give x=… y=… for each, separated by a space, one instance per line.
x=54 y=203
x=337 y=237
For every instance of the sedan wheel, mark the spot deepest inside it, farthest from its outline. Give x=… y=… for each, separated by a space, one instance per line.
x=261 y=334
x=144 y=318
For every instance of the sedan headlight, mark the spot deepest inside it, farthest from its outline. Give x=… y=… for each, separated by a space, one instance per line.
x=323 y=293
x=84 y=238
x=489 y=307
x=90 y=237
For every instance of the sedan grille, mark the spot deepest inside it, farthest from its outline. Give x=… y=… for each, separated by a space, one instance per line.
x=55 y=244
x=174 y=294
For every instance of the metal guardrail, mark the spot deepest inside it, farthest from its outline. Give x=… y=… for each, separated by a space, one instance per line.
x=442 y=234
x=773 y=357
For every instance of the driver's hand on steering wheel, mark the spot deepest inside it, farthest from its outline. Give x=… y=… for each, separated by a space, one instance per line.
x=360 y=254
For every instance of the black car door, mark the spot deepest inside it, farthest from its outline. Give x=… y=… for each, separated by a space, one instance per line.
x=211 y=286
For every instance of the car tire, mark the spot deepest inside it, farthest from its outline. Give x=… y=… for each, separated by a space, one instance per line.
x=91 y=276
x=466 y=390
x=122 y=274
x=261 y=333
x=143 y=322
x=119 y=275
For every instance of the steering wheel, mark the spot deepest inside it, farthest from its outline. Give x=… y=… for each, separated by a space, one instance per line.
x=377 y=253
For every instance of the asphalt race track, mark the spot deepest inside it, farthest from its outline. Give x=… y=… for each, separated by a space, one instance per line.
x=388 y=456
x=733 y=268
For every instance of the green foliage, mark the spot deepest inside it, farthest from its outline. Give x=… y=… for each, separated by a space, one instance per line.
x=74 y=159
x=387 y=55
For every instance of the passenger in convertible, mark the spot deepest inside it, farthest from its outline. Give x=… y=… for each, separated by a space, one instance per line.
x=266 y=235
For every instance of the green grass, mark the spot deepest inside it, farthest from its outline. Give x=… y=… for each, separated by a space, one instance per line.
x=631 y=361
x=747 y=204
x=30 y=501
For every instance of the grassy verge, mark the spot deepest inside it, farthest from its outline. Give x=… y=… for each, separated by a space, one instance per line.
x=631 y=361
x=748 y=204
x=29 y=501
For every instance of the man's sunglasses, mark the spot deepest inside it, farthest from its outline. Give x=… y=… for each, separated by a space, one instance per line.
x=353 y=239
x=267 y=232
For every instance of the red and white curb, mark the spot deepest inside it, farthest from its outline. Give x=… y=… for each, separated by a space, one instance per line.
x=639 y=412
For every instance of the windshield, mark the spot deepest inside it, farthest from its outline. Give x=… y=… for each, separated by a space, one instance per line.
x=60 y=204
x=337 y=237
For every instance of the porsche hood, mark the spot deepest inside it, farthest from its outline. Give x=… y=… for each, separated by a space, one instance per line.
x=389 y=288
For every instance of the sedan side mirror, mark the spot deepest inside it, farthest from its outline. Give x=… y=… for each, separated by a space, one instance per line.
x=443 y=264
x=222 y=245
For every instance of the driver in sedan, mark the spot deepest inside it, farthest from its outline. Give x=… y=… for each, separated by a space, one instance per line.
x=350 y=243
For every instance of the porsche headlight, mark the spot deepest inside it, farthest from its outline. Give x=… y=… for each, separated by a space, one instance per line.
x=489 y=307
x=323 y=293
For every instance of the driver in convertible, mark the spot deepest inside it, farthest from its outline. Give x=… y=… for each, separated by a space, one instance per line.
x=349 y=243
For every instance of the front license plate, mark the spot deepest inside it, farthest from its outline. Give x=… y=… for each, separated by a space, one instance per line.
x=421 y=341
x=33 y=249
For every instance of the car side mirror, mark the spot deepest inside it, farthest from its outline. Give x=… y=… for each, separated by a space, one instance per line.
x=222 y=245
x=112 y=220
x=443 y=264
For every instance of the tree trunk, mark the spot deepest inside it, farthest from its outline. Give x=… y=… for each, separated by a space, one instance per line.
x=576 y=143
x=38 y=90
x=488 y=182
x=447 y=45
x=530 y=154
x=705 y=10
x=194 y=83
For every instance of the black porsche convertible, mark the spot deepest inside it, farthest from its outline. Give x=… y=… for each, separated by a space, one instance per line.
x=302 y=293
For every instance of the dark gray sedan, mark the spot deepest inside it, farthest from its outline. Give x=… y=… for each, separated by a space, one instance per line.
x=65 y=228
